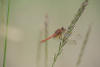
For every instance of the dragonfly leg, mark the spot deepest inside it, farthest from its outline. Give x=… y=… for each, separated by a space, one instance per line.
x=60 y=37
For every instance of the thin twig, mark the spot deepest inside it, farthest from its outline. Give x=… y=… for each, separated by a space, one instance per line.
x=69 y=31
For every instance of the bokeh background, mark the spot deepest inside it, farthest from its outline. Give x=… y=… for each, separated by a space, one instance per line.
x=26 y=20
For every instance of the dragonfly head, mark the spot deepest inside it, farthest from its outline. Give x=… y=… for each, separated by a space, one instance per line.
x=63 y=29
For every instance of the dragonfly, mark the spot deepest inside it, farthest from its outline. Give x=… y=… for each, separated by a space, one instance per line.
x=57 y=33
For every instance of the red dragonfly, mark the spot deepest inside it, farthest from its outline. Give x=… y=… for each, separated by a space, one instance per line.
x=57 y=33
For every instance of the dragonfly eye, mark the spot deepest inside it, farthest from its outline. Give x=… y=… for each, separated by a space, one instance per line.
x=63 y=29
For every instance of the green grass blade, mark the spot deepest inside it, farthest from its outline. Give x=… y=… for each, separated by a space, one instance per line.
x=6 y=35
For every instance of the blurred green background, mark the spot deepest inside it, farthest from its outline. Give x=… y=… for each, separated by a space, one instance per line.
x=26 y=20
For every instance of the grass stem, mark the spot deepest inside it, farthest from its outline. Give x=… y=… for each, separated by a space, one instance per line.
x=69 y=31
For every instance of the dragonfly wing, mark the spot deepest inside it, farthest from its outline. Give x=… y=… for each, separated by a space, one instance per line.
x=72 y=42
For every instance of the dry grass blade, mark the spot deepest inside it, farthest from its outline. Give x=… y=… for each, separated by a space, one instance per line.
x=38 y=50
x=83 y=46
x=46 y=43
